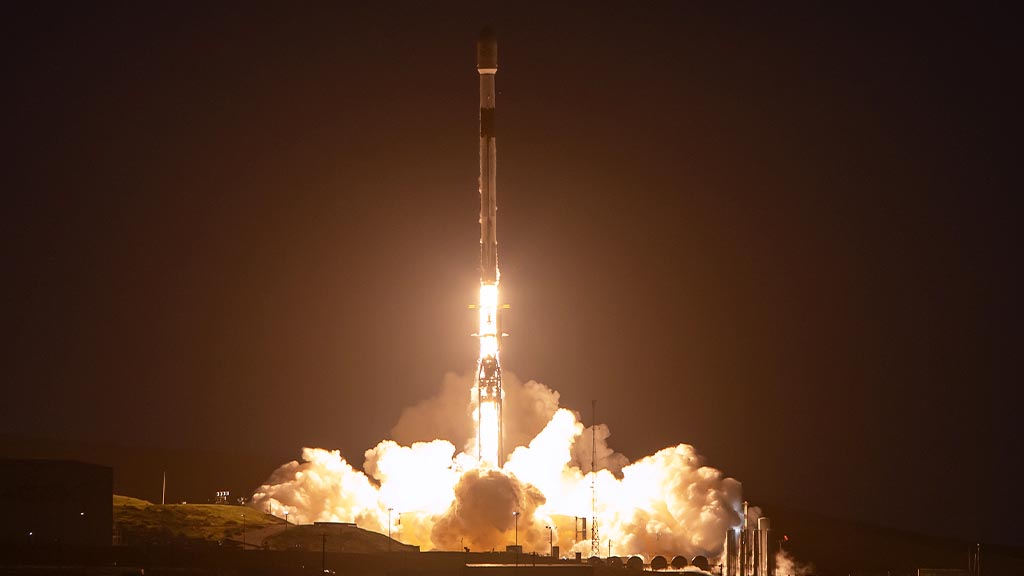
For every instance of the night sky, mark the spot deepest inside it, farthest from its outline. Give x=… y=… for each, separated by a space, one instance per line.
x=783 y=234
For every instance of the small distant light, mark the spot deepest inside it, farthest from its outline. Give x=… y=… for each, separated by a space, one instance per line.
x=81 y=513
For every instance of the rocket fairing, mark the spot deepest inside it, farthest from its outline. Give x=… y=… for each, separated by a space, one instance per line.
x=488 y=394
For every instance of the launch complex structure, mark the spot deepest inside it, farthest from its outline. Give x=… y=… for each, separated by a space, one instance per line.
x=487 y=393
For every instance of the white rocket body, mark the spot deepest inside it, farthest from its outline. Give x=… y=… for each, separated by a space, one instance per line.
x=488 y=394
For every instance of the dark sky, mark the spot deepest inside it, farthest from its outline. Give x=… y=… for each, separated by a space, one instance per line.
x=783 y=234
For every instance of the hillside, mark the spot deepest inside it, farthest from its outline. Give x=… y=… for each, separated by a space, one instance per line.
x=337 y=537
x=140 y=522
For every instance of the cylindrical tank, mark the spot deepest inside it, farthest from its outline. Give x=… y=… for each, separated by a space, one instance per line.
x=701 y=562
x=765 y=558
x=730 y=554
x=680 y=562
x=659 y=563
x=635 y=563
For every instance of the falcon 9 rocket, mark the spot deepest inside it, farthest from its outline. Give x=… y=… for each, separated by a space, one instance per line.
x=488 y=394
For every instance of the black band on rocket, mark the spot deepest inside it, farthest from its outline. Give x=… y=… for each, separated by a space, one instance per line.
x=487 y=123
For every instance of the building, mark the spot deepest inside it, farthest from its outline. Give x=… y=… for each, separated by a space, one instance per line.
x=55 y=503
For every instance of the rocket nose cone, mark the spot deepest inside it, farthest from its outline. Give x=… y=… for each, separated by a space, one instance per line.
x=487 y=49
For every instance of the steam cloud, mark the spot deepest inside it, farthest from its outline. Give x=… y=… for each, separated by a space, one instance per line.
x=667 y=503
x=786 y=565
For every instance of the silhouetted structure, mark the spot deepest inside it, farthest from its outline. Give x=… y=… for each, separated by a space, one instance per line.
x=55 y=503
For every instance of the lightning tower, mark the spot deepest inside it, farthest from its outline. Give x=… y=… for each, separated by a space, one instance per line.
x=488 y=394
x=595 y=540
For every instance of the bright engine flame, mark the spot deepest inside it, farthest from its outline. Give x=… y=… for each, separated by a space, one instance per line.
x=487 y=392
x=488 y=433
x=488 y=320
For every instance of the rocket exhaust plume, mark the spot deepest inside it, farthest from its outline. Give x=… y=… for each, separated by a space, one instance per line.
x=555 y=470
x=488 y=395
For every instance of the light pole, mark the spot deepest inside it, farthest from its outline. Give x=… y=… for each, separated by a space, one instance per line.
x=516 y=516
x=286 y=520
x=551 y=541
x=243 y=531
x=389 y=529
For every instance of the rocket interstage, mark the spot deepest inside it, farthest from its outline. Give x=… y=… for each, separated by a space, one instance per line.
x=488 y=394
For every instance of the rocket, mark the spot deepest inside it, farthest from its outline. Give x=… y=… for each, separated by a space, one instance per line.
x=488 y=394
x=487 y=67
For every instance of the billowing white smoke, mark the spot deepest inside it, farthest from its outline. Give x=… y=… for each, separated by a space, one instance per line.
x=786 y=565
x=528 y=408
x=483 y=512
x=667 y=503
x=606 y=458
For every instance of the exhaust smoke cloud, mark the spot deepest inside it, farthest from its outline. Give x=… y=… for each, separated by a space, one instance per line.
x=786 y=565
x=443 y=498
